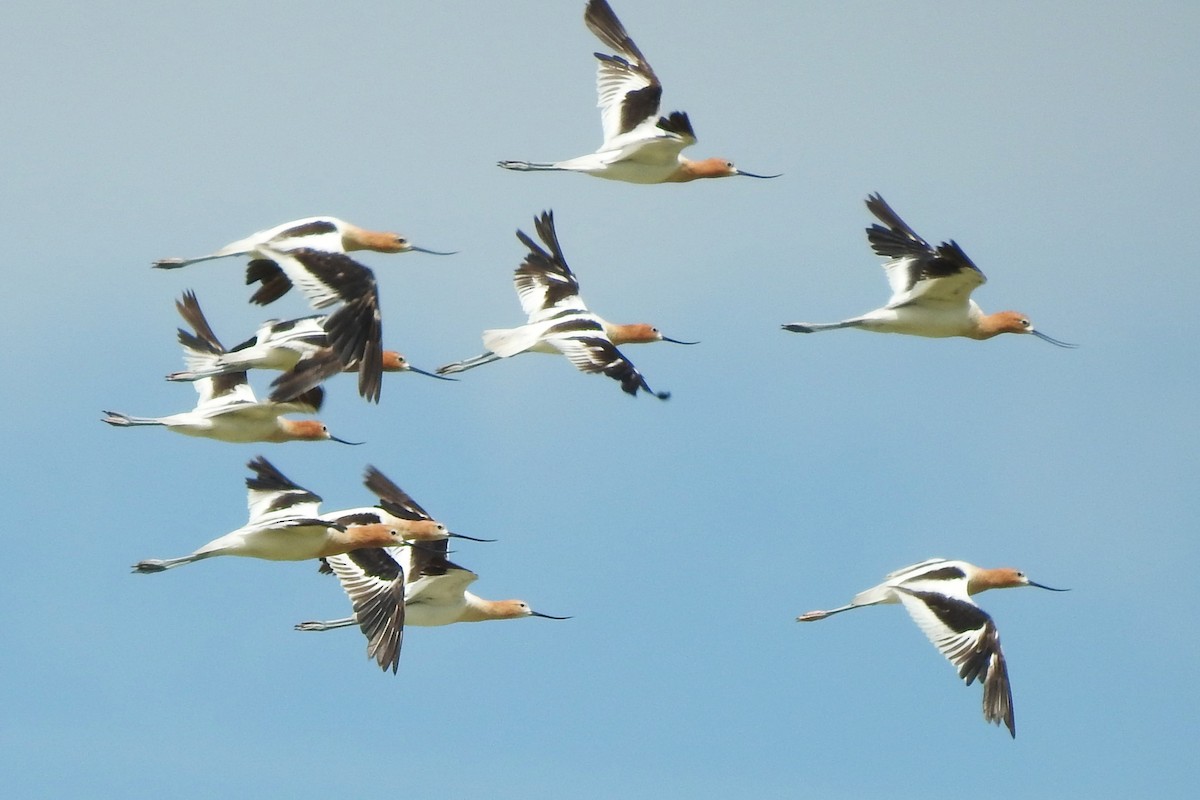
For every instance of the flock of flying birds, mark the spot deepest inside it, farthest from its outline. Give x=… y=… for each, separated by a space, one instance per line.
x=391 y=558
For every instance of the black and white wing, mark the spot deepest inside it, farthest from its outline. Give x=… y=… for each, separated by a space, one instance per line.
x=545 y=284
x=219 y=392
x=373 y=579
x=916 y=271
x=585 y=344
x=966 y=635
x=271 y=495
x=355 y=331
x=628 y=91
x=392 y=498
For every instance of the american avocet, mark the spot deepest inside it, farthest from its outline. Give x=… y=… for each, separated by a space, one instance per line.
x=393 y=587
x=330 y=234
x=354 y=331
x=227 y=409
x=937 y=595
x=559 y=322
x=639 y=146
x=283 y=526
x=396 y=509
x=931 y=289
x=298 y=347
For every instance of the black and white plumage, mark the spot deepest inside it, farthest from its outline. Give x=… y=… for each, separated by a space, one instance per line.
x=397 y=509
x=283 y=524
x=329 y=234
x=639 y=145
x=355 y=330
x=916 y=270
x=380 y=582
x=559 y=320
x=227 y=409
x=392 y=588
x=931 y=289
x=937 y=595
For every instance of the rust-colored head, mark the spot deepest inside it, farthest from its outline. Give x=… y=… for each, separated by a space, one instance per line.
x=374 y=535
x=355 y=238
x=306 y=430
x=634 y=333
x=512 y=609
x=1004 y=322
x=394 y=362
x=303 y=430
x=422 y=530
x=637 y=333
x=1001 y=578
x=709 y=168
x=1012 y=322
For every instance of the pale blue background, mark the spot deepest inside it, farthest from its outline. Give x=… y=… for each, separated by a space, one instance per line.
x=1057 y=142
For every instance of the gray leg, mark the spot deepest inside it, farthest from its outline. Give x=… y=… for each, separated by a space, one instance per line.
x=327 y=626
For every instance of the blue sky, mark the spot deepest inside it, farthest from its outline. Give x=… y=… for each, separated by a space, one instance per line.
x=1055 y=142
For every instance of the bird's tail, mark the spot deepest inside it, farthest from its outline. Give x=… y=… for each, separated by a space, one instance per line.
x=202 y=361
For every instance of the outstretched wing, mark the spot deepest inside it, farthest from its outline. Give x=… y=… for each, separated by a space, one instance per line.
x=231 y=388
x=966 y=635
x=392 y=498
x=916 y=271
x=583 y=341
x=374 y=581
x=544 y=282
x=270 y=493
x=354 y=331
x=628 y=91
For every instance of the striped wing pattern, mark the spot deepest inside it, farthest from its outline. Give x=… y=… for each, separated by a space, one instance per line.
x=379 y=583
x=355 y=330
x=916 y=271
x=272 y=494
x=544 y=282
x=549 y=293
x=220 y=391
x=583 y=341
x=966 y=635
x=628 y=91
x=373 y=579
x=392 y=498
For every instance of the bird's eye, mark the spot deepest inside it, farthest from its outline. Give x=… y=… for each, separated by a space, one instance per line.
x=729 y=164
x=401 y=240
x=654 y=330
x=1024 y=323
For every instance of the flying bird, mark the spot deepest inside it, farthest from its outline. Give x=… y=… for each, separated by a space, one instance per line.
x=560 y=322
x=297 y=347
x=329 y=234
x=354 y=332
x=937 y=595
x=396 y=509
x=227 y=409
x=639 y=145
x=931 y=289
x=283 y=526
x=392 y=588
